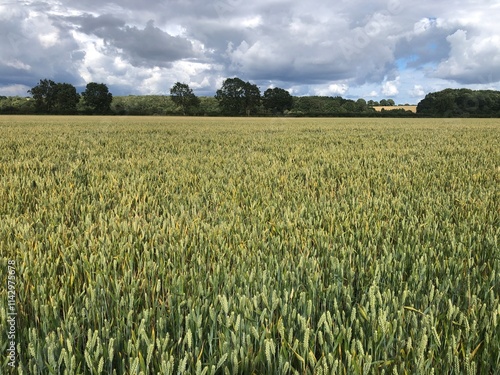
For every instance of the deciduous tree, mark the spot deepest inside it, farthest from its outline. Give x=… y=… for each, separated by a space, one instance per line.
x=97 y=97
x=183 y=97
x=277 y=100
x=51 y=97
x=66 y=98
x=43 y=94
x=237 y=97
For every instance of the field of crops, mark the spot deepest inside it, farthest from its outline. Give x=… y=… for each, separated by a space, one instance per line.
x=250 y=246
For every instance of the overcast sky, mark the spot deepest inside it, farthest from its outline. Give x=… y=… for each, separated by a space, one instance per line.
x=353 y=48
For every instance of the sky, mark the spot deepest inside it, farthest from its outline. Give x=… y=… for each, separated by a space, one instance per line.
x=374 y=50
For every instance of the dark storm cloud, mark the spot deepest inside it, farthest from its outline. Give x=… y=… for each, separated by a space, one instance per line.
x=31 y=50
x=149 y=46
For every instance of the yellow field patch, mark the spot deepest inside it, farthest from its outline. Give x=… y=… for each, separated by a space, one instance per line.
x=412 y=108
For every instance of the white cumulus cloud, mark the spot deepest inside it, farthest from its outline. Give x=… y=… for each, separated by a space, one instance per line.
x=474 y=59
x=390 y=88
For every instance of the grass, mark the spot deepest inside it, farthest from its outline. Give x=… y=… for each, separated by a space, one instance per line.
x=211 y=245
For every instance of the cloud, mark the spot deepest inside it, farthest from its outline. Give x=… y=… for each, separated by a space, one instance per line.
x=417 y=91
x=148 y=47
x=16 y=64
x=471 y=60
x=337 y=48
x=14 y=90
x=332 y=90
x=390 y=88
x=424 y=25
x=34 y=48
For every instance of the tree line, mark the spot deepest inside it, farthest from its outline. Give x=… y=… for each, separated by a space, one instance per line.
x=239 y=98
x=460 y=103
x=234 y=98
x=61 y=98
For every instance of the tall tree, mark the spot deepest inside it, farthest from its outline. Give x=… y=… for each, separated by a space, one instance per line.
x=252 y=98
x=43 y=94
x=51 y=97
x=237 y=97
x=97 y=97
x=66 y=98
x=183 y=96
x=361 y=105
x=277 y=100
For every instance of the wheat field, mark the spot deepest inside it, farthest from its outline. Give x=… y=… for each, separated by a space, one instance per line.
x=169 y=245
x=412 y=108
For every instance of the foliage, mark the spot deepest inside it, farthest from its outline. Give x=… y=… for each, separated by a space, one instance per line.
x=327 y=106
x=97 y=97
x=52 y=97
x=17 y=105
x=263 y=246
x=397 y=112
x=66 y=98
x=158 y=105
x=237 y=97
x=146 y=105
x=277 y=100
x=361 y=105
x=461 y=103
x=184 y=97
x=383 y=102
x=43 y=95
x=387 y=102
x=209 y=106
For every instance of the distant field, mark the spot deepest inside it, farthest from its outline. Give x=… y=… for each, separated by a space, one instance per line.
x=257 y=246
x=412 y=108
